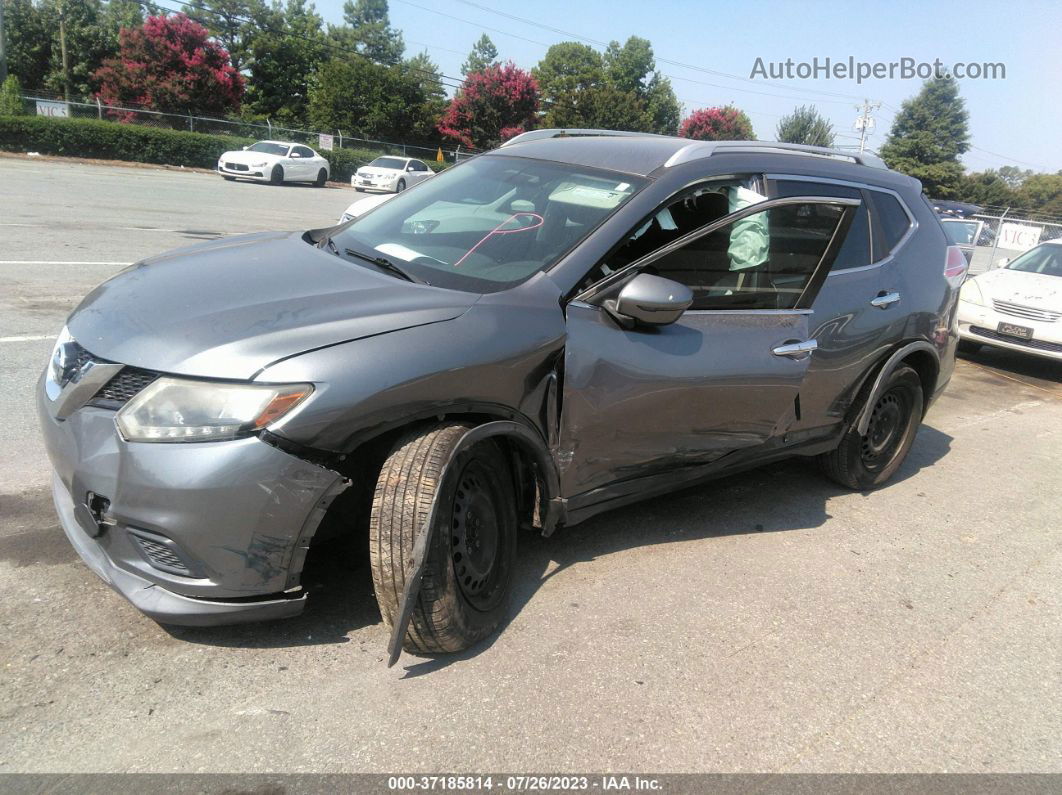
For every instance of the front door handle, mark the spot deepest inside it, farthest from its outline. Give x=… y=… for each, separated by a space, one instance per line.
x=796 y=350
x=885 y=300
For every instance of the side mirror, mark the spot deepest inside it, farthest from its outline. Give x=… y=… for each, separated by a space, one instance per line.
x=410 y=168
x=246 y=148
x=1002 y=262
x=651 y=300
x=295 y=154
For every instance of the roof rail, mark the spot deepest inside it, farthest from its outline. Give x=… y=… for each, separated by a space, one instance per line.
x=699 y=149
x=575 y=132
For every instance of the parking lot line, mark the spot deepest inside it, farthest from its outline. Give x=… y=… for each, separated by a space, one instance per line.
x=28 y=338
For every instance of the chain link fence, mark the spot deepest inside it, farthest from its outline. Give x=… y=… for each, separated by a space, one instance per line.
x=996 y=235
x=42 y=104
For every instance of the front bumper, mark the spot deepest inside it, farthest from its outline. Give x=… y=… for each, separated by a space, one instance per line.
x=980 y=324
x=387 y=185
x=251 y=173
x=227 y=524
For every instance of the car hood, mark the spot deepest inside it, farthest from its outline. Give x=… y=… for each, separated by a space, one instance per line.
x=228 y=308
x=247 y=158
x=1039 y=290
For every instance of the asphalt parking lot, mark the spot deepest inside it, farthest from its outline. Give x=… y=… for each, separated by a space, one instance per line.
x=768 y=622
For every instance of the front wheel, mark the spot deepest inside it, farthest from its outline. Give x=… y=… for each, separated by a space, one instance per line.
x=401 y=186
x=276 y=176
x=868 y=461
x=322 y=178
x=467 y=575
x=227 y=178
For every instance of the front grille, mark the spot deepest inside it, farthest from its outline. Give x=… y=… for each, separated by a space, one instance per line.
x=1041 y=345
x=123 y=387
x=159 y=554
x=1027 y=312
x=237 y=167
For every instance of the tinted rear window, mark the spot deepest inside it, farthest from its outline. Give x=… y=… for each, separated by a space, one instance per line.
x=893 y=219
x=855 y=251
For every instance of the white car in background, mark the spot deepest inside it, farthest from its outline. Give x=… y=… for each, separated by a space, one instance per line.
x=391 y=174
x=276 y=162
x=363 y=205
x=1018 y=307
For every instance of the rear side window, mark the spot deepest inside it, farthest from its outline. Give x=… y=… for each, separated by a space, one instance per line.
x=893 y=220
x=855 y=251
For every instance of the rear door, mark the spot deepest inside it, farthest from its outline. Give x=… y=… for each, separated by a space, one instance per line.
x=728 y=374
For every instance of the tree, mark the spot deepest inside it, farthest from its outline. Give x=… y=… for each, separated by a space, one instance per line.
x=717 y=124
x=1042 y=193
x=1013 y=176
x=928 y=135
x=483 y=54
x=171 y=64
x=29 y=42
x=367 y=100
x=232 y=22
x=369 y=33
x=283 y=57
x=568 y=77
x=986 y=188
x=491 y=107
x=805 y=126
x=631 y=69
x=11 y=97
x=423 y=72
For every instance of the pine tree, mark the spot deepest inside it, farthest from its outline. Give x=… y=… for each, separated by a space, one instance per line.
x=805 y=126
x=928 y=135
x=483 y=54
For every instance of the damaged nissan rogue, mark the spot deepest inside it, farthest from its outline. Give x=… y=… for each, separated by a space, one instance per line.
x=550 y=330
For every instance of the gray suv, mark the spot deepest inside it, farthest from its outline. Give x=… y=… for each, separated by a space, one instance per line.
x=559 y=327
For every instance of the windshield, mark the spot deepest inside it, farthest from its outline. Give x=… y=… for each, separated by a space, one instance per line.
x=389 y=162
x=961 y=233
x=489 y=223
x=1042 y=259
x=269 y=148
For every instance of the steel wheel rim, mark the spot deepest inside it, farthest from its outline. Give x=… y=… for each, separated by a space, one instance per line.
x=886 y=430
x=475 y=537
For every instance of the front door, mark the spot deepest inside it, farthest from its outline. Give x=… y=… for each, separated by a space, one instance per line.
x=727 y=375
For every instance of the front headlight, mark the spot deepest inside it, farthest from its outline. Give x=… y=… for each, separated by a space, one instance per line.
x=971 y=293
x=260 y=164
x=182 y=410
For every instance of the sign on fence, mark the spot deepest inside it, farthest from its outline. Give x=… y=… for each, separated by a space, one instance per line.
x=46 y=108
x=1018 y=237
x=324 y=142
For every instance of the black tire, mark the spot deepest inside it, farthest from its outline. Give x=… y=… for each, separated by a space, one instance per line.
x=276 y=176
x=359 y=190
x=401 y=186
x=868 y=461
x=465 y=591
x=322 y=178
x=968 y=346
x=227 y=178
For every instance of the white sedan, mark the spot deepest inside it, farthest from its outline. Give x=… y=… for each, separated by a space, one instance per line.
x=276 y=162
x=1018 y=307
x=391 y=174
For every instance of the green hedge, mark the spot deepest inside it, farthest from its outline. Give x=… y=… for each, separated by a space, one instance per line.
x=110 y=140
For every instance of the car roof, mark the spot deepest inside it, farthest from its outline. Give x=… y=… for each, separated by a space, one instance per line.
x=645 y=154
x=281 y=143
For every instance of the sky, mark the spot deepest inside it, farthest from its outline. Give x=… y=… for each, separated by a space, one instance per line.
x=711 y=48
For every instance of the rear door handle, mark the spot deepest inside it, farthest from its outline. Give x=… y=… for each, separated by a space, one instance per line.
x=884 y=300
x=796 y=350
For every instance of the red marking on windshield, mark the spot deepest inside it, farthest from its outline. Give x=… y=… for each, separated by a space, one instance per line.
x=539 y=220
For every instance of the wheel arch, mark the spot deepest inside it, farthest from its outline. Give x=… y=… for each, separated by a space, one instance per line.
x=921 y=356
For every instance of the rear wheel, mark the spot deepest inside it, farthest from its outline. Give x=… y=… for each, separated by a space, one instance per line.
x=465 y=590
x=276 y=176
x=322 y=178
x=401 y=186
x=867 y=461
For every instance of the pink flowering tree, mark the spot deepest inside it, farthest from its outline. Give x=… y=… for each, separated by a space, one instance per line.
x=492 y=106
x=170 y=63
x=717 y=124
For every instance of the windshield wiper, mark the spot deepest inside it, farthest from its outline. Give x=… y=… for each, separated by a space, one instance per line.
x=384 y=264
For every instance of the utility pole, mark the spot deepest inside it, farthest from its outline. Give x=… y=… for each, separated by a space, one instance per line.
x=3 y=49
x=62 y=47
x=864 y=123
